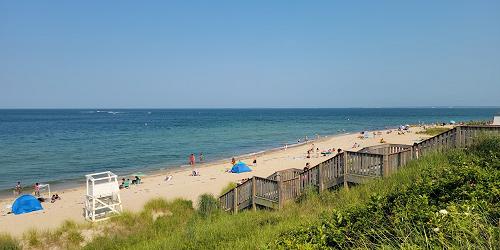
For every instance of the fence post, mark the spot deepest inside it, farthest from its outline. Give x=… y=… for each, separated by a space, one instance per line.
x=254 y=193
x=346 y=185
x=280 y=194
x=386 y=169
x=458 y=137
x=235 y=206
x=320 y=177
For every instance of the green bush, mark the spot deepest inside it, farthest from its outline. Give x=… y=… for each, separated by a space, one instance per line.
x=208 y=205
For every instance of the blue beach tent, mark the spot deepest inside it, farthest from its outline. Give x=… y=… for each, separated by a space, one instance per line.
x=240 y=167
x=26 y=204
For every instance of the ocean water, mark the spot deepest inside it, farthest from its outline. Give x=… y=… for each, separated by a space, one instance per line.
x=61 y=146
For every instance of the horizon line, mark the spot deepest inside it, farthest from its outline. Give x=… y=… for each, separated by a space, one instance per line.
x=187 y=108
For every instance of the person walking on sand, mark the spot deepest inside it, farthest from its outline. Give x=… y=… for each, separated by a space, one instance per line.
x=192 y=160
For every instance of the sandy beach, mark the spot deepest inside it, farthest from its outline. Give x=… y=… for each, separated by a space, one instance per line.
x=212 y=179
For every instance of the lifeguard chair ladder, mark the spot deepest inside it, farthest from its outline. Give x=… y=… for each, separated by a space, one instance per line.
x=103 y=196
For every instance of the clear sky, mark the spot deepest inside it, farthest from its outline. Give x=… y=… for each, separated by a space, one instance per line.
x=182 y=54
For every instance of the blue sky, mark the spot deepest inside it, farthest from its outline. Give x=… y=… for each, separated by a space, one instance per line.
x=184 y=54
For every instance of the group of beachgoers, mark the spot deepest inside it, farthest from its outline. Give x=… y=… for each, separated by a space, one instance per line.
x=192 y=158
x=127 y=182
x=18 y=191
x=192 y=162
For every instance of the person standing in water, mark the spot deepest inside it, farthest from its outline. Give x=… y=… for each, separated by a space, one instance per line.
x=18 y=189
x=201 y=157
x=192 y=160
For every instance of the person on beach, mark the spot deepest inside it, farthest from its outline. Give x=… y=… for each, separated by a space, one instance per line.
x=201 y=157
x=195 y=173
x=37 y=189
x=168 y=178
x=18 y=189
x=255 y=161
x=137 y=180
x=54 y=198
x=339 y=151
x=305 y=177
x=192 y=160
x=233 y=161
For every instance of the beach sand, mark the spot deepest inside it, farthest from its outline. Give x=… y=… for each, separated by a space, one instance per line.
x=212 y=179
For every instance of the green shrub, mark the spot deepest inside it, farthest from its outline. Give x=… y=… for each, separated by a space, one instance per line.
x=207 y=205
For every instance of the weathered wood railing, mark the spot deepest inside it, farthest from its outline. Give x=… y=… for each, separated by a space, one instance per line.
x=286 y=174
x=347 y=167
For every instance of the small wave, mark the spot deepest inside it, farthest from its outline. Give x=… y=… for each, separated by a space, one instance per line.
x=110 y=112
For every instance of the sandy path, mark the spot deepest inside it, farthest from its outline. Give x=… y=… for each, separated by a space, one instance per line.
x=213 y=178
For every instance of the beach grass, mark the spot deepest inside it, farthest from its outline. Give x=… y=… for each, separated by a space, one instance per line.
x=229 y=186
x=8 y=242
x=433 y=131
x=442 y=200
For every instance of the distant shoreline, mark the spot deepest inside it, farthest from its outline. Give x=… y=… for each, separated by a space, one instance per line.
x=70 y=184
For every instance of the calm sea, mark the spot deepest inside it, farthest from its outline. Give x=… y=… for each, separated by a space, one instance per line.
x=61 y=146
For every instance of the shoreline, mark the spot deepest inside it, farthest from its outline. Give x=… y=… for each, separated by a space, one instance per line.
x=71 y=184
x=213 y=179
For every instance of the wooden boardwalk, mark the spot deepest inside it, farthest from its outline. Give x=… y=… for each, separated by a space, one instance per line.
x=342 y=169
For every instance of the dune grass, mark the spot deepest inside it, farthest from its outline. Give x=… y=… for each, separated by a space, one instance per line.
x=7 y=242
x=446 y=200
x=433 y=131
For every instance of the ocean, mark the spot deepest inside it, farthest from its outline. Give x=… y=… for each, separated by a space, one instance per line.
x=61 y=146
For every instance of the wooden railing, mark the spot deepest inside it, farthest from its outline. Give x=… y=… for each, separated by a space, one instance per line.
x=385 y=149
x=286 y=174
x=347 y=167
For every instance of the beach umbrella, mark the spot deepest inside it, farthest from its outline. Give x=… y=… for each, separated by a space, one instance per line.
x=140 y=174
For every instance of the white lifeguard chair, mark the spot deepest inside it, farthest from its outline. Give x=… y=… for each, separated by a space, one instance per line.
x=103 y=196
x=496 y=120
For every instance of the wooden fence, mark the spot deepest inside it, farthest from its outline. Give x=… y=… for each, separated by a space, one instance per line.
x=347 y=167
